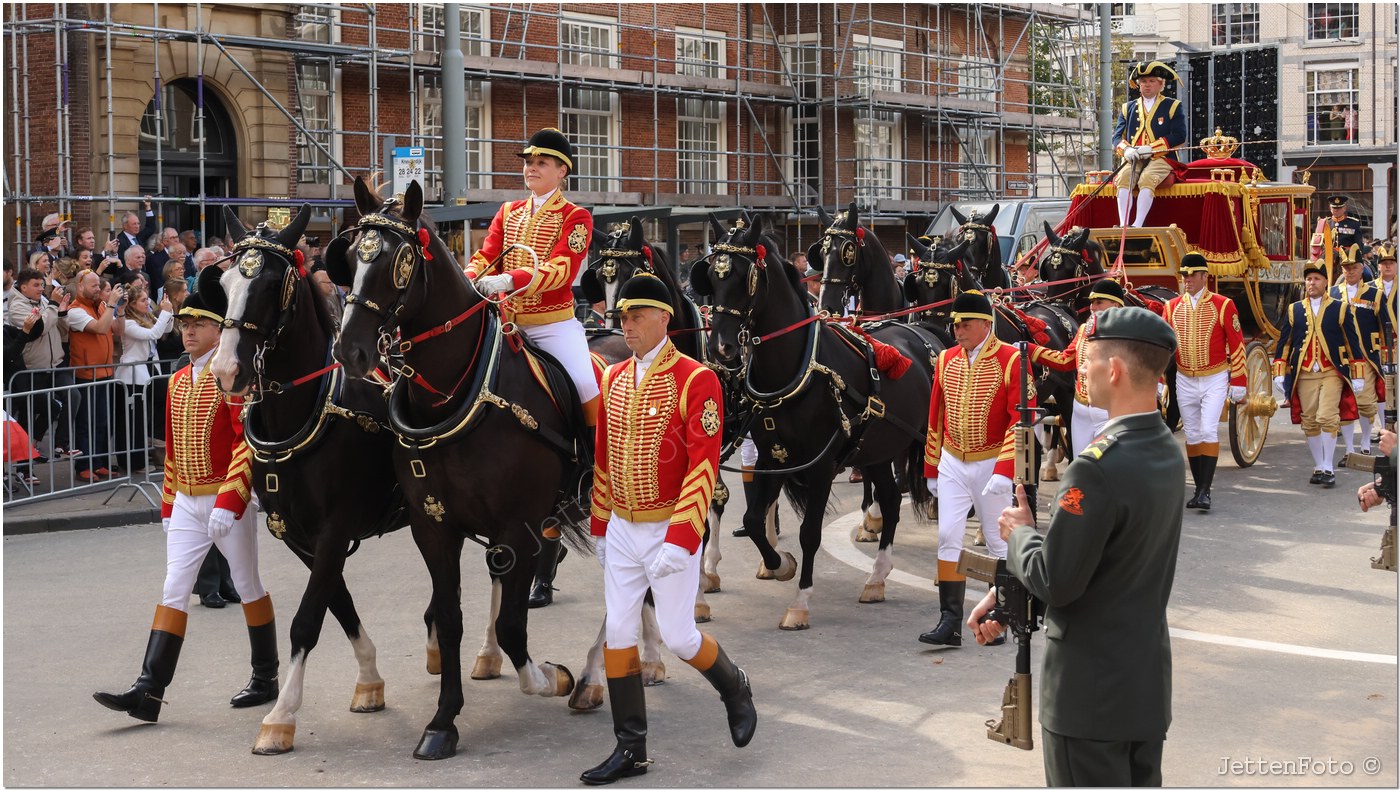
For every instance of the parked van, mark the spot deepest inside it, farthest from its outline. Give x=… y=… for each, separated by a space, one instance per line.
x=1019 y=223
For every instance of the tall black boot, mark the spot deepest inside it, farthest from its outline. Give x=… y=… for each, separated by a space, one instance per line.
x=143 y=700
x=733 y=686
x=1195 y=463
x=263 y=639
x=551 y=553
x=950 y=604
x=629 y=712
x=1207 y=466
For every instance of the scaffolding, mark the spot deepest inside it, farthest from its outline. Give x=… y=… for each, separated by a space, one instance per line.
x=900 y=108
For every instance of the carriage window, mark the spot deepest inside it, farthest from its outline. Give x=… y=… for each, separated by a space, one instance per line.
x=1136 y=252
x=1273 y=229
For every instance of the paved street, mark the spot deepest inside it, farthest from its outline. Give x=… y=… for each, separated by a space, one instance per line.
x=1284 y=649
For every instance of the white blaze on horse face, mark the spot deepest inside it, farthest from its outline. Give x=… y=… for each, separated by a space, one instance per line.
x=361 y=271
x=225 y=363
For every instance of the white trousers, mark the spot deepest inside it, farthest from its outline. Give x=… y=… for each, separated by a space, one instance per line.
x=1088 y=422
x=1201 y=400
x=748 y=452
x=188 y=542
x=631 y=548
x=566 y=342
x=960 y=485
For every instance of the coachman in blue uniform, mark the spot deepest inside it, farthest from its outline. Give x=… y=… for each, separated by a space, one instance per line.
x=1148 y=130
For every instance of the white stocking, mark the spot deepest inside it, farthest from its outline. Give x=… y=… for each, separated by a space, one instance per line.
x=1144 y=202
x=1347 y=436
x=1125 y=202
x=1366 y=433
x=1315 y=448
x=1329 y=449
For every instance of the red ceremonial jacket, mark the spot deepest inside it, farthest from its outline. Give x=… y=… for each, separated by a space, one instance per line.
x=558 y=233
x=205 y=452
x=1067 y=361
x=1209 y=337
x=658 y=446
x=972 y=412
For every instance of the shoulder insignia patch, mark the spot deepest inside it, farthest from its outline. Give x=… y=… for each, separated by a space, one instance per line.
x=578 y=238
x=1072 y=501
x=709 y=418
x=1098 y=447
x=1237 y=323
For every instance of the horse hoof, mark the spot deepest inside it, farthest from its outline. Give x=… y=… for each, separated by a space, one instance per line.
x=795 y=620
x=872 y=523
x=653 y=673
x=436 y=745
x=274 y=739
x=369 y=697
x=864 y=535
x=434 y=661
x=563 y=680
x=711 y=583
x=587 y=696
x=763 y=572
x=873 y=593
x=485 y=668
x=980 y=540
x=787 y=569
x=1049 y=474
x=702 y=613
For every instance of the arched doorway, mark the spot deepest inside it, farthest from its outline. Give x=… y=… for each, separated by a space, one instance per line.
x=179 y=134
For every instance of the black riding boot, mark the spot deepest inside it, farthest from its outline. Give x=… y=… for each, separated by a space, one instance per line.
x=733 y=687
x=552 y=552
x=143 y=700
x=263 y=685
x=1207 y=466
x=950 y=604
x=1195 y=463
x=629 y=712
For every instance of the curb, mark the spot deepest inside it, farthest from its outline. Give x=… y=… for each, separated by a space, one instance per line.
x=81 y=519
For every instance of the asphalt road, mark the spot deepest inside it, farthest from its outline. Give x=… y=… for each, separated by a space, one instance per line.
x=1284 y=646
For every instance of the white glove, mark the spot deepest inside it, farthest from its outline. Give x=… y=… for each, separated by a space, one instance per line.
x=1144 y=152
x=999 y=485
x=600 y=549
x=165 y=525
x=495 y=284
x=221 y=522
x=1358 y=384
x=1278 y=384
x=1161 y=388
x=932 y=485
x=1130 y=154
x=1236 y=393
x=670 y=559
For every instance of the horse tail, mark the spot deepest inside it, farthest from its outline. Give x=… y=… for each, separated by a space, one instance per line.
x=919 y=497
x=797 y=490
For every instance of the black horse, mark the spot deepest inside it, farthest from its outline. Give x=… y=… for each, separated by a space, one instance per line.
x=984 y=247
x=464 y=390
x=936 y=277
x=1069 y=266
x=816 y=403
x=320 y=445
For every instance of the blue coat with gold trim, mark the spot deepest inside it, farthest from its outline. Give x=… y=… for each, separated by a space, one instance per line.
x=1165 y=130
x=1339 y=342
x=1365 y=310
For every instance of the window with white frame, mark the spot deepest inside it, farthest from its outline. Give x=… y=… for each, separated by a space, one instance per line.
x=977 y=155
x=802 y=64
x=699 y=122
x=314 y=95
x=878 y=67
x=478 y=148
x=977 y=79
x=1333 y=105
x=1232 y=24
x=476 y=27
x=314 y=24
x=1333 y=21
x=589 y=116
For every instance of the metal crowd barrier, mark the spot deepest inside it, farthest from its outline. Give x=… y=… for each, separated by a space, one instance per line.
x=117 y=427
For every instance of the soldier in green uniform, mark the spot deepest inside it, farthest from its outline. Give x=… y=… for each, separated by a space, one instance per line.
x=1104 y=571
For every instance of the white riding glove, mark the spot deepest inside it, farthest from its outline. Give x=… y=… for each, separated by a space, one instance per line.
x=221 y=522
x=1130 y=154
x=1278 y=384
x=1144 y=152
x=165 y=525
x=600 y=549
x=932 y=485
x=1161 y=388
x=495 y=284
x=999 y=485
x=1358 y=384
x=1236 y=393
x=669 y=560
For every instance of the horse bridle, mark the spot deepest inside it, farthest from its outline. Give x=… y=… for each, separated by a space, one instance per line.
x=248 y=257
x=721 y=268
x=407 y=257
x=608 y=258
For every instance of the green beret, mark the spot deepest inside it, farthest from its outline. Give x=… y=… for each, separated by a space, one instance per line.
x=1132 y=323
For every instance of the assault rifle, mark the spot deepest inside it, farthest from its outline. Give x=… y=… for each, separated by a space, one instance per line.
x=1384 y=475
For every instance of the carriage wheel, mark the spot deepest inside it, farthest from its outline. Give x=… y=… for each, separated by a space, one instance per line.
x=1249 y=421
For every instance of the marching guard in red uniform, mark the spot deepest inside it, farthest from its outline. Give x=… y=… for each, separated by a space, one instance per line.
x=969 y=455
x=205 y=502
x=1209 y=369
x=656 y=466
x=540 y=288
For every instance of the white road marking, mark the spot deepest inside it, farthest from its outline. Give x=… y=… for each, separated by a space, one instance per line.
x=837 y=541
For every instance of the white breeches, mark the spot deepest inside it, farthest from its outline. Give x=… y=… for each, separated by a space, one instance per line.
x=1088 y=421
x=631 y=548
x=748 y=452
x=960 y=485
x=1201 y=400
x=566 y=342
x=188 y=542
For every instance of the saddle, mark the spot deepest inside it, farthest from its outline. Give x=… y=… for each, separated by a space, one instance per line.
x=888 y=359
x=555 y=381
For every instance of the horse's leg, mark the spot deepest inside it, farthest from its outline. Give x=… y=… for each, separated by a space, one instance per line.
x=709 y=569
x=434 y=655
x=653 y=668
x=887 y=495
x=772 y=565
x=819 y=490
x=872 y=514
x=589 y=691
x=511 y=595
x=441 y=547
x=489 y=657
